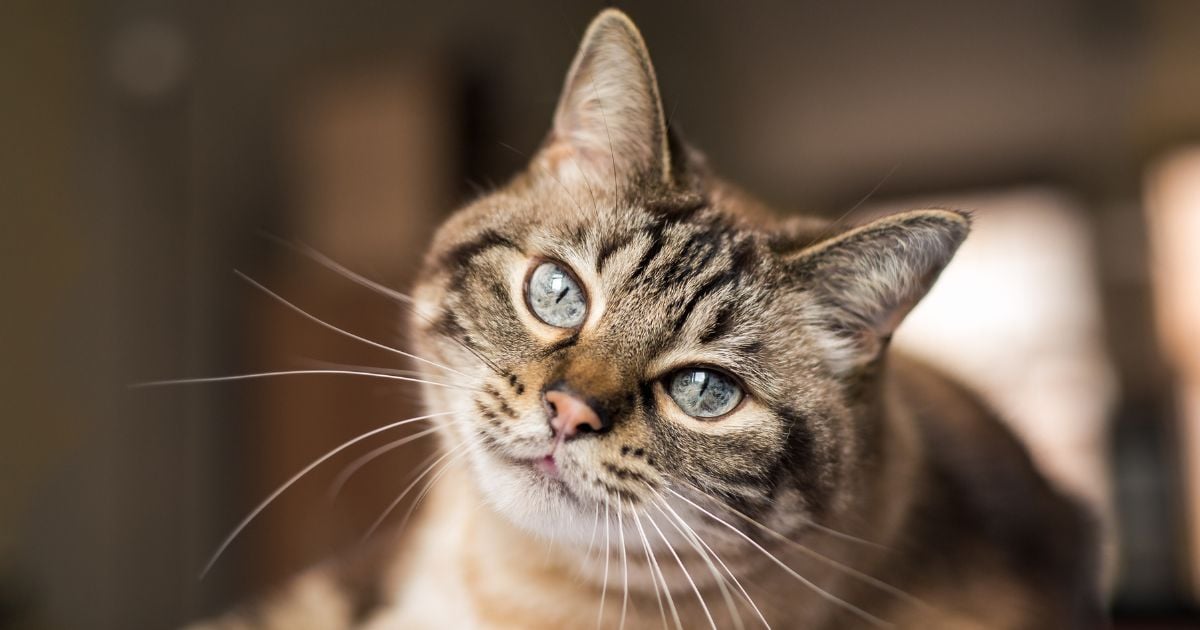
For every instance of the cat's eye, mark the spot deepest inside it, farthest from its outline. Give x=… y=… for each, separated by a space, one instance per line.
x=704 y=392
x=555 y=297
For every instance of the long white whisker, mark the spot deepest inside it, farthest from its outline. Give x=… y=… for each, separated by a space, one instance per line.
x=862 y=614
x=595 y=526
x=321 y=363
x=873 y=581
x=844 y=536
x=808 y=522
x=339 y=482
x=428 y=487
x=329 y=263
x=392 y=506
x=687 y=575
x=325 y=261
x=313 y=318
x=272 y=374
x=733 y=576
x=690 y=536
x=624 y=563
x=550 y=548
x=287 y=484
x=607 y=553
x=655 y=574
x=717 y=557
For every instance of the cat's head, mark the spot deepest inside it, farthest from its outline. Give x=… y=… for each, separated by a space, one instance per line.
x=618 y=329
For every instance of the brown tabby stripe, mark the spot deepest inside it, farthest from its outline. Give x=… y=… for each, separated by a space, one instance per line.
x=460 y=256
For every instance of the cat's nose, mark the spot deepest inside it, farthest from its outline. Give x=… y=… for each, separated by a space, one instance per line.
x=571 y=416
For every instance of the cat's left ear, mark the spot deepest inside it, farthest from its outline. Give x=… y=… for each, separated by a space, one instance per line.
x=866 y=280
x=609 y=127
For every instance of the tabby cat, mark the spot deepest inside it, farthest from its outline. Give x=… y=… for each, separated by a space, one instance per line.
x=671 y=410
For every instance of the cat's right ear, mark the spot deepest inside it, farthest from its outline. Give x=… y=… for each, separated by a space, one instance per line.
x=866 y=280
x=609 y=127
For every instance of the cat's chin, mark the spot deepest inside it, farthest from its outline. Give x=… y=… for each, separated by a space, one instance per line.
x=534 y=496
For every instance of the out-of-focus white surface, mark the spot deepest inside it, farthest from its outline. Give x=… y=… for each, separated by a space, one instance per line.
x=1173 y=217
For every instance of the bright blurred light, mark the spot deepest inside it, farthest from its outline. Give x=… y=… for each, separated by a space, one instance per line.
x=1173 y=216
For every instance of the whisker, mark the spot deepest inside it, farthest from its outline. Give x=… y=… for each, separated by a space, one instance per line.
x=824 y=529
x=332 y=265
x=272 y=374
x=686 y=574
x=612 y=153
x=549 y=549
x=654 y=576
x=834 y=224
x=595 y=526
x=690 y=536
x=808 y=522
x=582 y=174
x=287 y=484
x=392 y=506
x=429 y=487
x=717 y=557
x=607 y=553
x=383 y=370
x=426 y=489
x=564 y=189
x=862 y=614
x=343 y=477
x=325 y=261
x=365 y=368
x=587 y=183
x=624 y=563
x=318 y=320
x=873 y=581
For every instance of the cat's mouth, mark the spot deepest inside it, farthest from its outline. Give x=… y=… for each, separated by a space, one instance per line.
x=548 y=465
x=546 y=472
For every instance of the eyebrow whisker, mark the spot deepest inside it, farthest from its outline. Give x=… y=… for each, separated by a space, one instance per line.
x=313 y=318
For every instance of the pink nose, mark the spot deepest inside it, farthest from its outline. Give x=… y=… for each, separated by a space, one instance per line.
x=570 y=416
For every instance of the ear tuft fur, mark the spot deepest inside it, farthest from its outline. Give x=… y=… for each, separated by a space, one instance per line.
x=867 y=279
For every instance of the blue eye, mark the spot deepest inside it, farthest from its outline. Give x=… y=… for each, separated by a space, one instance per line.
x=555 y=297
x=704 y=393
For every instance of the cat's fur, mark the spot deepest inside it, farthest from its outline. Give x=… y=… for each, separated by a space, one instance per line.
x=886 y=494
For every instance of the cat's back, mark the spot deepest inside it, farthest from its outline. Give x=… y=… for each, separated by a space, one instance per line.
x=987 y=534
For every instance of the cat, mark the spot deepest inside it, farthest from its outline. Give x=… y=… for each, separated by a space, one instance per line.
x=671 y=409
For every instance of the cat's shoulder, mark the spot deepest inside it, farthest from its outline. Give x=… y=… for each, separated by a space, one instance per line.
x=984 y=501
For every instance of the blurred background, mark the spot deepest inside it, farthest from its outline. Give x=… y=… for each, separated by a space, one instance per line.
x=146 y=147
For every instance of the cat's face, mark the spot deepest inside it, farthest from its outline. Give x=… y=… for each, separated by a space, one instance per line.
x=671 y=324
x=618 y=332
